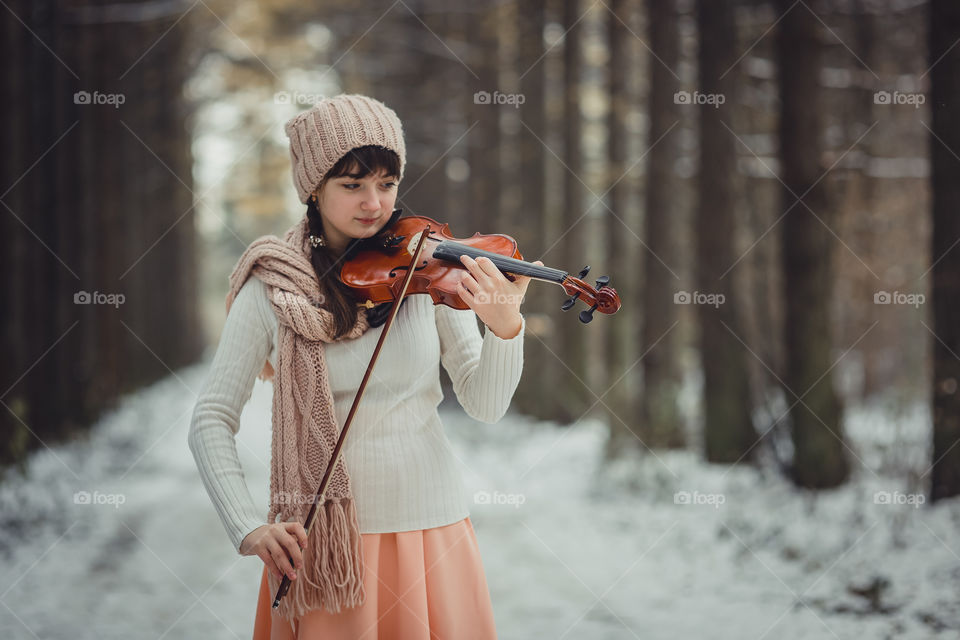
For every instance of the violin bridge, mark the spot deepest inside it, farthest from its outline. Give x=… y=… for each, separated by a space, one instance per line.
x=414 y=241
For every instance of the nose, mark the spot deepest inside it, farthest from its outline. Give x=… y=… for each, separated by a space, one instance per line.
x=371 y=199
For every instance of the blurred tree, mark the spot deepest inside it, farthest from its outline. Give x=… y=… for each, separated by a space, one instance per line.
x=528 y=225
x=98 y=203
x=572 y=395
x=944 y=149
x=623 y=399
x=660 y=418
x=484 y=137
x=819 y=459
x=728 y=431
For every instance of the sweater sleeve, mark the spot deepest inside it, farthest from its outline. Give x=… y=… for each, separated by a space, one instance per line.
x=484 y=371
x=244 y=345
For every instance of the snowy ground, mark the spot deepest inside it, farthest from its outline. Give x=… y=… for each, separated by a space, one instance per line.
x=571 y=549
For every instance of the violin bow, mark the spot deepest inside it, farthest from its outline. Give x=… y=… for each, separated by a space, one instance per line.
x=335 y=457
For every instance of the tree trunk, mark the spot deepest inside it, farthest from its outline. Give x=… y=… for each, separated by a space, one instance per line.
x=571 y=396
x=944 y=141
x=728 y=431
x=529 y=226
x=819 y=459
x=624 y=263
x=96 y=187
x=660 y=339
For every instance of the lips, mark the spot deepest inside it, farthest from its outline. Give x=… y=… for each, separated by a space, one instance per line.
x=367 y=220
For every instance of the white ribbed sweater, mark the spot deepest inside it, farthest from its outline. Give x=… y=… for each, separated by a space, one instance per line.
x=402 y=470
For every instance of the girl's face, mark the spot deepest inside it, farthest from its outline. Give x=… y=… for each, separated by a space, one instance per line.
x=355 y=207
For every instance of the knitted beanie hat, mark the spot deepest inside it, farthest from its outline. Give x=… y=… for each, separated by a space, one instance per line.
x=323 y=134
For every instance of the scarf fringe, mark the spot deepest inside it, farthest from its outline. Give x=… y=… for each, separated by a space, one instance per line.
x=334 y=543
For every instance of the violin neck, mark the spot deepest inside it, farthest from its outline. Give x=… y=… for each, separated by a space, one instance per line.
x=449 y=250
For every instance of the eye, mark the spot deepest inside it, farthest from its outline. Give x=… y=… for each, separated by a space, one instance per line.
x=351 y=186
x=389 y=185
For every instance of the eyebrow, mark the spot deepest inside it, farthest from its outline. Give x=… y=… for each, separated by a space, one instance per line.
x=357 y=176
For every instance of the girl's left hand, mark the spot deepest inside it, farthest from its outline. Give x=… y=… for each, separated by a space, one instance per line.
x=495 y=299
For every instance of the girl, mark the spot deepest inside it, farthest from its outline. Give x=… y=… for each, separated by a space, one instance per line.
x=392 y=553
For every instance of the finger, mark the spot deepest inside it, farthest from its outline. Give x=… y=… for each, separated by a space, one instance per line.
x=279 y=557
x=469 y=282
x=475 y=267
x=268 y=562
x=290 y=544
x=465 y=295
x=487 y=266
x=297 y=530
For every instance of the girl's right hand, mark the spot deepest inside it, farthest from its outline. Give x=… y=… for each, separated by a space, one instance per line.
x=275 y=544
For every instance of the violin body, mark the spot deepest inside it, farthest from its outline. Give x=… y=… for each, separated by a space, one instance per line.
x=377 y=274
x=377 y=270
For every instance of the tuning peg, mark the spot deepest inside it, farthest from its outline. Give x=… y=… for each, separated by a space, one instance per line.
x=603 y=281
x=583 y=272
x=587 y=314
x=569 y=303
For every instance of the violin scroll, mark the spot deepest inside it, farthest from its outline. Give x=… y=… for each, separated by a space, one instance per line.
x=603 y=297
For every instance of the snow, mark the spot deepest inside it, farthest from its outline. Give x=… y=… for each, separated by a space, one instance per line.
x=572 y=547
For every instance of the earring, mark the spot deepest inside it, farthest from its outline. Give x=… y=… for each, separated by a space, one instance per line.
x=316 y=241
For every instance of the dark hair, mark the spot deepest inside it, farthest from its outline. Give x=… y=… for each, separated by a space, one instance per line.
x=339 y=299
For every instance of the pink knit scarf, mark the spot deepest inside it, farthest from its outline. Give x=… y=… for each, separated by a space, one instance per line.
x=305 y=430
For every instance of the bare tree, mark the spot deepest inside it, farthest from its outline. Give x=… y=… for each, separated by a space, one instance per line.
x=98 y=201
x=728 y=431
x=660 y=419
x=807 y=247
x=944 y=146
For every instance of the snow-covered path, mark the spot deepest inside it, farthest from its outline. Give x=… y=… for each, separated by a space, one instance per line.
x=570 y=552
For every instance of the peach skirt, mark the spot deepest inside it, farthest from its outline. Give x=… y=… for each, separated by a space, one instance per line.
x=419 y=584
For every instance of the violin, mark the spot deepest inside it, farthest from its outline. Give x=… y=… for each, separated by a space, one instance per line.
x=377 y=267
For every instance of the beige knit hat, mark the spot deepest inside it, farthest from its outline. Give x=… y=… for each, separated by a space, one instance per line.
x=323 y=134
